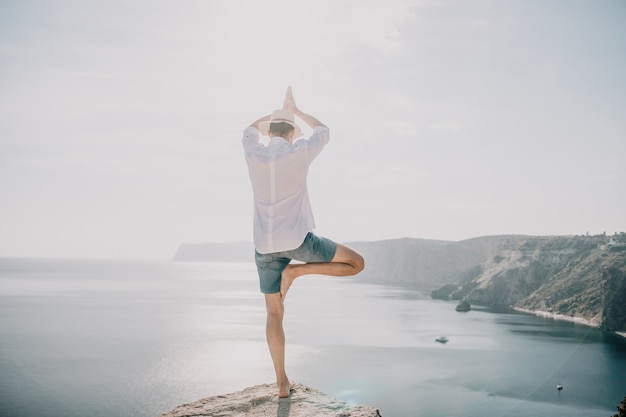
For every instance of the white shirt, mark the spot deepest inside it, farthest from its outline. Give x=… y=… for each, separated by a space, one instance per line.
x=278 y=172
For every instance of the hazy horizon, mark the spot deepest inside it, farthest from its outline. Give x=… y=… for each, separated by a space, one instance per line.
x=121 y=123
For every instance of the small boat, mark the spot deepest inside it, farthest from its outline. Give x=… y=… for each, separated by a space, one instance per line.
x=441 y=339
x=559 y=386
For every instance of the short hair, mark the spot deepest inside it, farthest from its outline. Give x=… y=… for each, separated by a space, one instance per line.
x=281 y=129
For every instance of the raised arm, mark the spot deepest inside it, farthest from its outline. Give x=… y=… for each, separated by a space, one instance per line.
x=290 y=104
x=255 y=124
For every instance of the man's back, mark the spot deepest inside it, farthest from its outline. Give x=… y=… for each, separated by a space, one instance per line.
x=278 y=173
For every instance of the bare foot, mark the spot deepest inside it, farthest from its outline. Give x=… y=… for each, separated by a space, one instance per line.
x=284 y=390
x=287 y=278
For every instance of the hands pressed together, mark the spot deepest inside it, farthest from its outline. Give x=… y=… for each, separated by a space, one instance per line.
x=290 y=103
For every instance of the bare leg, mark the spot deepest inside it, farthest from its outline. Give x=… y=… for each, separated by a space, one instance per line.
x=276 y=340
x=346 y=262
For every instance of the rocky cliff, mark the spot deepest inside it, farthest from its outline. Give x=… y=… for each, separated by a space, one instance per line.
x=577 y=277
x=262 y=401
x=425 y=262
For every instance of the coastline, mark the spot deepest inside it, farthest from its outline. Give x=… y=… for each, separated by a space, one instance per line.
x=555 y=316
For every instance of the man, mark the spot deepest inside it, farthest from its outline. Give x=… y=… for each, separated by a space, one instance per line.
x=283 y=218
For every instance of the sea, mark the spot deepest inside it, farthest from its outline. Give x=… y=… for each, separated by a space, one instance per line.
x=89 y=338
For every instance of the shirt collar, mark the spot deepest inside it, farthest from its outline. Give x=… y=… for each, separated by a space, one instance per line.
x=278 y=140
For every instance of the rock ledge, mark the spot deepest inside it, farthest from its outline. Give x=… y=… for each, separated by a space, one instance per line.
x=262 y=401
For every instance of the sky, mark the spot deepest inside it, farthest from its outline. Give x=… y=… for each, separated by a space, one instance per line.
x=121 y=122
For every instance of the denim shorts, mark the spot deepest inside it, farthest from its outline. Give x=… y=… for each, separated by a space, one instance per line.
x=314 y=249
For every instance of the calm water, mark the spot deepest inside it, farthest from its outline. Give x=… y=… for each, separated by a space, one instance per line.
x=125 y=338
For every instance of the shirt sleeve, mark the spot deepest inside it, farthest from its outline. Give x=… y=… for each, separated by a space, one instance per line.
x=317 y=141
x=250 y=138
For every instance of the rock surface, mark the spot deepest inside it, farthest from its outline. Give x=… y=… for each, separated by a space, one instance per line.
x=463 y=306
x=262 y=401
